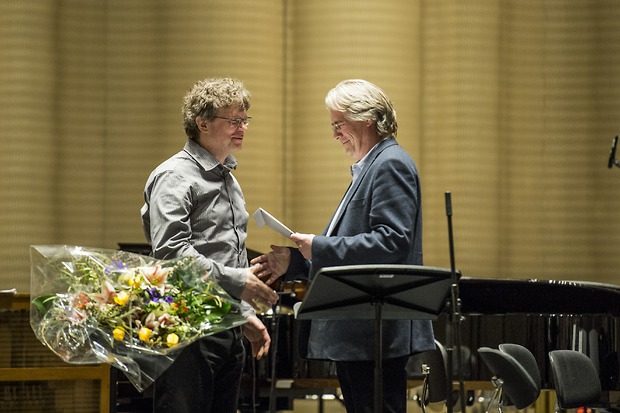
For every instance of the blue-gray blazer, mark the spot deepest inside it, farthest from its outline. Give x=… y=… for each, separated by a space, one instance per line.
x=380 y=223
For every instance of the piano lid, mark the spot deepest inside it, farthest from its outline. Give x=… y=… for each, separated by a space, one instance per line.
x=505 y=296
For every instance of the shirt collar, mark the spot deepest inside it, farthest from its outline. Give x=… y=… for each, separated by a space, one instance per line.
x=207 y=161
x=357 y=167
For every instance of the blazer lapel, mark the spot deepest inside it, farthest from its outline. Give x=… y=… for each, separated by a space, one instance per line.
x=355 y=185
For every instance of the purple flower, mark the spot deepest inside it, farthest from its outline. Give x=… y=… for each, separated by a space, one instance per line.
x=155 y=296
x=116 y=265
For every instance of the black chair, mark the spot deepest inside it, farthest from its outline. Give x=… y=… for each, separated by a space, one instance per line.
x=431 y=367
x=513 y=384
x=525 y=358
x=576 y=380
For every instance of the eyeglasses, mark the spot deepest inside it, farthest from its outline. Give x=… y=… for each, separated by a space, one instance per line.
x=336 y=125
x=236 y=122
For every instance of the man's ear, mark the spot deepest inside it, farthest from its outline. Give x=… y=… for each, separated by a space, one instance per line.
x=201 y=124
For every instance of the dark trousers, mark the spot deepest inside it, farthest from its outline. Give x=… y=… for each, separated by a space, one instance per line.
x=357 y=380
x=204 y=378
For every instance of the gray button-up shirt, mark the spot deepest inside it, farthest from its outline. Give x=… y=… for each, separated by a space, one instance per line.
x=193 y=206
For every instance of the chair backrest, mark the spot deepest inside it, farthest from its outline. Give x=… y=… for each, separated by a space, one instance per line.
x=575 y=378
x=525 y=358
x=438 y=379
x=438 y=384
x=518 y=386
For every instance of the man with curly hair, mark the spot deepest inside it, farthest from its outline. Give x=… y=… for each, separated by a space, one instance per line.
x=194 y=206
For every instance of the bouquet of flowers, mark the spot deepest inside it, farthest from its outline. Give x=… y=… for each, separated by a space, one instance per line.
x=129 y=310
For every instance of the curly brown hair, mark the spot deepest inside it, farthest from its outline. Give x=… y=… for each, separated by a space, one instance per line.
x=209 y=96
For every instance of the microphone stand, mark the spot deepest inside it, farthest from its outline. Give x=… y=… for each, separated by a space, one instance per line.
x=453 y=332
x=275 y=338
x=612 y=154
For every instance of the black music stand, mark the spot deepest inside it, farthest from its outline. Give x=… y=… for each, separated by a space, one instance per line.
x=392 y=292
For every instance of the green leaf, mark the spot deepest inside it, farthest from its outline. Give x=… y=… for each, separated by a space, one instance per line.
x=44 y=302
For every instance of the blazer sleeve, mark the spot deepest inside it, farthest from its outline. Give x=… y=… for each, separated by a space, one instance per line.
x=298 y=268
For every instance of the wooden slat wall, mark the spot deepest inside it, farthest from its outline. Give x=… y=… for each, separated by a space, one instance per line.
x=509 y=105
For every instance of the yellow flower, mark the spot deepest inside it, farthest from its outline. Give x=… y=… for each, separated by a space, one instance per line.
x=172 y=340
x=145 y=334
x=135 y=281
x=121 y=298
x=119 y=334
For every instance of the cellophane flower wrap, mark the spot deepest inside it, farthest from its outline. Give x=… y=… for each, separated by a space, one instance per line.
x=92 y=306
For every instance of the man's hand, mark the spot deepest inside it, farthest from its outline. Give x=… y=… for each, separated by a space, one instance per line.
x=258 y=294
x=256 y=333
x=304 y=243
x=273 y=264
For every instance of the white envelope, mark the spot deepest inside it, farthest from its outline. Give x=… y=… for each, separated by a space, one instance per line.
x=263 y=217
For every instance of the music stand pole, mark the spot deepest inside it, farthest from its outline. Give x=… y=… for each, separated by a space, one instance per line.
x=453 y=336
x=378 y=356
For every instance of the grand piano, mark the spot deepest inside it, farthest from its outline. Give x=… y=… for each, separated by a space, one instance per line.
x=542 y=315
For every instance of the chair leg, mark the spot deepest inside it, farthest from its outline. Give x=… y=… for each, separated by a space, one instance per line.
x=425 y=371
x=497 y=395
